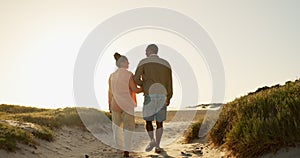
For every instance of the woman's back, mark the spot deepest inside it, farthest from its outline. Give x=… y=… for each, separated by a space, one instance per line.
x=122 y=98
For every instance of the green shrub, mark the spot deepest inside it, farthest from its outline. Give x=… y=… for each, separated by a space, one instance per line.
x=44 y=133
x=260 y=122
x=44 y=120
x=14 y=109
x=193 y=132
x=9 y=136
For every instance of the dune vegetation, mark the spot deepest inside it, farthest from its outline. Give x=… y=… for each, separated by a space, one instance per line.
x=19 y=124
x=260 y=122
x=192 y=132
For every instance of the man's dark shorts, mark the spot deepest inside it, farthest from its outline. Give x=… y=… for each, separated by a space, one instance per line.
x=155 y=107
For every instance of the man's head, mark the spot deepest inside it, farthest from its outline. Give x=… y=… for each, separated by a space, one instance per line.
x=151 y=49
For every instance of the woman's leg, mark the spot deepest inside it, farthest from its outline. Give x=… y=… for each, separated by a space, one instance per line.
x=129 y=125
x=117 y=129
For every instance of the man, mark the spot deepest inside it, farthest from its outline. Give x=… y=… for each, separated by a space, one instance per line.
x=154 y=74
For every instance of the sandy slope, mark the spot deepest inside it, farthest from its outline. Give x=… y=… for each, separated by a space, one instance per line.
x=285 y=153
x=69 y=143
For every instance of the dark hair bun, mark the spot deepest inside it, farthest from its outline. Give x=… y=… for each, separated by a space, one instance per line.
x=117 y=56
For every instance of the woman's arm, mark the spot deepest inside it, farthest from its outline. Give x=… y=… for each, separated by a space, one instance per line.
x=133 y=86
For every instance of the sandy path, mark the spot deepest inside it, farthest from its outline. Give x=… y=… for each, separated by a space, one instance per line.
x=75 y=143
x=179 y=150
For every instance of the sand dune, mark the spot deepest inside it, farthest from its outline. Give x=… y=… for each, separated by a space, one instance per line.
x=73 y=143
x=69 y=142
x=76 y=143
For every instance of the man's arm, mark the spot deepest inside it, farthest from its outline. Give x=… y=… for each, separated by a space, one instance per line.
x=138 y=74
x=169 y=87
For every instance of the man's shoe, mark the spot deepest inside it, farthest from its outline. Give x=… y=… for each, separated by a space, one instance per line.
x=126 y=154
x=150 y=146
x=158 y=150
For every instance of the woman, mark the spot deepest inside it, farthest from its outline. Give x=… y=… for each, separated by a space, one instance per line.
x=122 y=100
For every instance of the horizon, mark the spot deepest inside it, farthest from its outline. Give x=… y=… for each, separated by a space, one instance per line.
x=139 y=108
x=136 y=110
x=257 y=43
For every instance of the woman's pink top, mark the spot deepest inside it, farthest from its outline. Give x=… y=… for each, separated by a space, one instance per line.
x=121 y=98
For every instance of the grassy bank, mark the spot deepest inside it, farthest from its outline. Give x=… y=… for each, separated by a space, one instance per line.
x=19 y=124
x=260 y=122
x=192 y=132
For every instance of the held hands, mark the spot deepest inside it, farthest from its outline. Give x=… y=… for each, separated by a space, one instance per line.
x=109 y=108
x=140 y=89
x=167 y=102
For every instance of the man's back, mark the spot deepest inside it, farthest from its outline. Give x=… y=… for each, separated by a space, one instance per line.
x=155 y=75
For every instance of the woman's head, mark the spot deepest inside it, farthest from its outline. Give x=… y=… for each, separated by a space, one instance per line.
x=121 y=61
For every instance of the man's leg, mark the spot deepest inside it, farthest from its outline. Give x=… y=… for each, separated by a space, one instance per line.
x=159 y=132
x=149 y=128
x=148 y=115
x=161 y=116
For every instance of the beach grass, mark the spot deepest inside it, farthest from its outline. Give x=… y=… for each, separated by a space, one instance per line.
x=19 y=124
x=193 y=132
x=9 y=136
x=260 y=122
x=252 y=125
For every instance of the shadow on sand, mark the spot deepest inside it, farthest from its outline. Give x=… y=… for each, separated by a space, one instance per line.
x=163 y=154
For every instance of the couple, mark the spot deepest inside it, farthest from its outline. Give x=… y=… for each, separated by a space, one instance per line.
x=154 y=78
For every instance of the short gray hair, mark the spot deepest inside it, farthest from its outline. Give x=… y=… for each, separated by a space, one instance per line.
x=152 y=48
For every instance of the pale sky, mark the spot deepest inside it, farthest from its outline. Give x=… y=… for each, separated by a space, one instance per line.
x=258 y=42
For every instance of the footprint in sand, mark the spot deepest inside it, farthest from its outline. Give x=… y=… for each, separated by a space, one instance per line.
x=153 y=156
x=185 y=154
